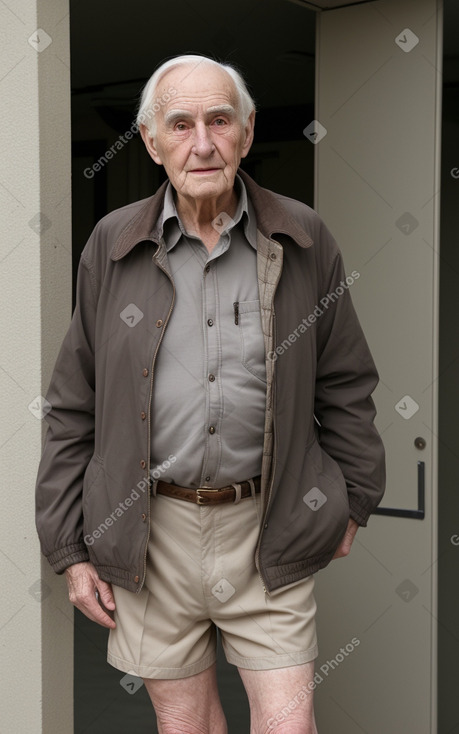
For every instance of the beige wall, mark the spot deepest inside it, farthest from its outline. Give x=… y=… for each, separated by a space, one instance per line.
x=36 y=620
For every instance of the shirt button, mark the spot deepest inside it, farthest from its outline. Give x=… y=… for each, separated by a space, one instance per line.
x=144 y=517
x=210 y=322
x=207 y=479
x=145 y=372
x=143 y=415
x=211 y=378
x=136 y=579
x=212 y=429
x=159 y=323
x=143 y=464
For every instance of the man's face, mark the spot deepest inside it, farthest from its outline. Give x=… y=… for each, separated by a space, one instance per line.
x=199 y=137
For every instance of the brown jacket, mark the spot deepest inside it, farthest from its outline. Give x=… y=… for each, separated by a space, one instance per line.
x=323 y=458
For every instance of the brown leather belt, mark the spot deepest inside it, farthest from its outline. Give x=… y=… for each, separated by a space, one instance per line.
x=207 y=495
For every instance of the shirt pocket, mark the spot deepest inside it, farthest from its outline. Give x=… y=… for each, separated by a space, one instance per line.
x=251 y=336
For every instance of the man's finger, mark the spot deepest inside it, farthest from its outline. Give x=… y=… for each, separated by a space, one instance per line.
x=85 y=588
x=345 y=546
x=92 y=609
x=105 y=594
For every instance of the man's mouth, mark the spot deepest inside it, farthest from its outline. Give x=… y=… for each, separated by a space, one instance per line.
x=204 y=170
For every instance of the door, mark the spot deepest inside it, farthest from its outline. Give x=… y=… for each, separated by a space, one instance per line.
x=377 y=181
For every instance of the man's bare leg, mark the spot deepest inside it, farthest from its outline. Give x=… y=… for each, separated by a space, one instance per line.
x=188 y=705
x=280 y=700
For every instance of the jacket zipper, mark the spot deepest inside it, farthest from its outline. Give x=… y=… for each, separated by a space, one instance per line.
x=149 y=420
x=273 y=468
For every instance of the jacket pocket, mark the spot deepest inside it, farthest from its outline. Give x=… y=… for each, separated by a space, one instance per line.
x=252 y=341
x=313 y=515
x=327 y=500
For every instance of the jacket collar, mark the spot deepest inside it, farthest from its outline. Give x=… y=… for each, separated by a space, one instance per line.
x=272 y=218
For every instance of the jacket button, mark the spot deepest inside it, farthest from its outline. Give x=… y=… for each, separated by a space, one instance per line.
x=143 y=464
x=272 y=256
x=143 y=415
x=144 y=517
x=136 y=579
x=211 y=378
x=210 y=322
x=159 y=323
x=145 y=372
x=212 y=429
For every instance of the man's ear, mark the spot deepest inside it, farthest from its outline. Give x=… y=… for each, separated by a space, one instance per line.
x=248 y=134
x=150 y=144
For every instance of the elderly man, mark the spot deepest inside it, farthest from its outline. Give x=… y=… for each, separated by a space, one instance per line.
x=211 y=441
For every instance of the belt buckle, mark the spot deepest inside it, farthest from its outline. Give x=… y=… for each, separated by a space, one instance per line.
x=202 y=500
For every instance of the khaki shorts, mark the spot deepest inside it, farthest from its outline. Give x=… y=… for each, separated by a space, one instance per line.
x=201 y=575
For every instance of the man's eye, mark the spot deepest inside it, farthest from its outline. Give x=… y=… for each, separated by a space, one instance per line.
x=220 y=122
x=180 y=126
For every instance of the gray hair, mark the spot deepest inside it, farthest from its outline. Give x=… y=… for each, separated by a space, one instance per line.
x=149 y=105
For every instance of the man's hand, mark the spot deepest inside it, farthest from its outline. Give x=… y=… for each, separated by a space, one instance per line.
x=345 y=545
x=83 y=582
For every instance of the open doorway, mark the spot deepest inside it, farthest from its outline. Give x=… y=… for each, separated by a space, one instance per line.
x=114 y=49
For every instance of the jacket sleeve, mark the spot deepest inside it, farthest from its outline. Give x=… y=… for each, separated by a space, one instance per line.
x=69 y=441
x=346 y=378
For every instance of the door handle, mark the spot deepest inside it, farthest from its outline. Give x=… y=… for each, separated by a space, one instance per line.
x=418 y=514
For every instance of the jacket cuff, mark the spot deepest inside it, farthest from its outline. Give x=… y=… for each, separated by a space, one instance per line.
x=67 y=556
x=358 y=512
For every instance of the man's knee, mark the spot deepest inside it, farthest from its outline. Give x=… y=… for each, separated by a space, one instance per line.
x=292 y=726
x=175 y=720
x=293 y=729
x=179 y=725
x=180 y=713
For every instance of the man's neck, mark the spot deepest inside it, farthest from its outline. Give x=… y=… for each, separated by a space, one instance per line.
x=198 y=215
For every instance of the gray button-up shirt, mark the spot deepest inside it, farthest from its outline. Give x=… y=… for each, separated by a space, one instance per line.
x=210 y=382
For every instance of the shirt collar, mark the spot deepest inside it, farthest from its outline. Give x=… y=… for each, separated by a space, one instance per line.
x=172 y=229
x=274 y=215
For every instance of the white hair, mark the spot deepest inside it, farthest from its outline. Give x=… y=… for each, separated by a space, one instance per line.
x=149 y=105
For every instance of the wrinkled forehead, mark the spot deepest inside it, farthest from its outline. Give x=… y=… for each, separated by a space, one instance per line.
x=198 y=84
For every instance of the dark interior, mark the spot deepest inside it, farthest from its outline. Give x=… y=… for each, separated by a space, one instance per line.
x=114 y=49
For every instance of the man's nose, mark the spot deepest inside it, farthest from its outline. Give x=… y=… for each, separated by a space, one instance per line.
x=202 y=143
